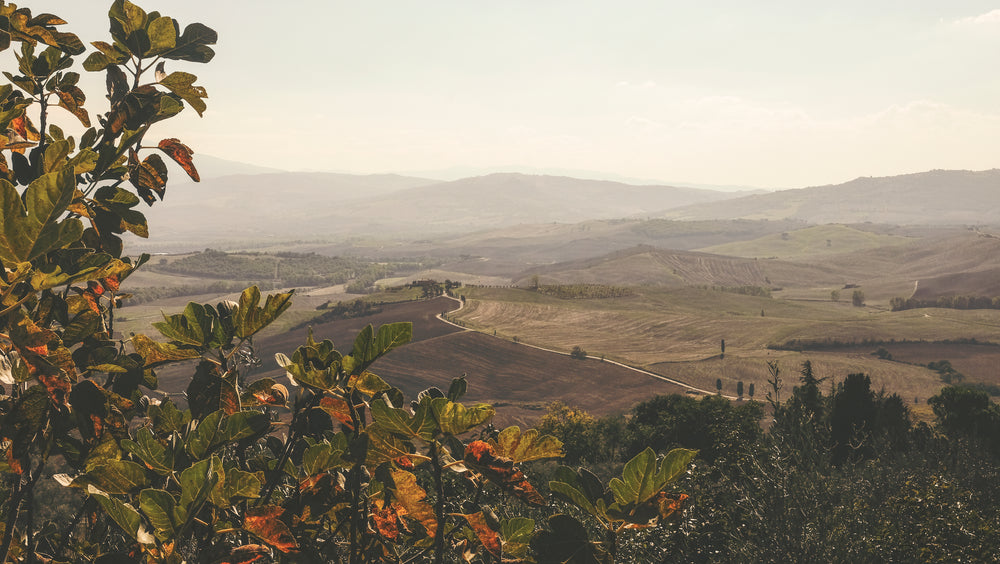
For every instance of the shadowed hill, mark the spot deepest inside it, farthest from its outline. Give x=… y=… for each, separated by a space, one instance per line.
x=938 y=197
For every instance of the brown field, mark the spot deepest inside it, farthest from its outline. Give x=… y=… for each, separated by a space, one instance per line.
x=519 y=380
x=978 y=363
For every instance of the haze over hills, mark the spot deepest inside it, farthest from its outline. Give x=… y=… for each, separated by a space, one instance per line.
x=937 y=197
x=295 y=205
x=262 y=205
x=504 y=199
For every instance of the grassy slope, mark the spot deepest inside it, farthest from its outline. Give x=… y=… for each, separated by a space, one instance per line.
x=808 y=243
x=678 y=331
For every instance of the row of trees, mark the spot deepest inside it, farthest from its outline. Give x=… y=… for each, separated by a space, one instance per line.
x=950 y=302
x=582 y=291
x=291 y=269
x=839 y=477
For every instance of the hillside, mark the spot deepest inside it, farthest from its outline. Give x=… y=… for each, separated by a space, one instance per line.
x=261 y=206
x=938 y=197
x=645 y=265
x=809 y=242
x=509 y=199
x=294 y=206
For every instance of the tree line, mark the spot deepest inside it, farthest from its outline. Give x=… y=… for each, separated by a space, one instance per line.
x=948 y=302
x=843 y=473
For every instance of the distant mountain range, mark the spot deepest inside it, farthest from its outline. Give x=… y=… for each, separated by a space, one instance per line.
x=938 y=197
x=260 y=204
x=325 y=205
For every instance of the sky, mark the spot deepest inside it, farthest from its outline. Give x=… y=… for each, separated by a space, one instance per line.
x=772 y=94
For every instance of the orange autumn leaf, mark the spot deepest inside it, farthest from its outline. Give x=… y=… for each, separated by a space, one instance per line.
x=111 y=283
x=265 y=523
x=181 y=154
x=387 y=520
x=480 y=456
x=246 y=554
x=338 y=409
x=489 y=538
x=58 y=388
x=411 y=496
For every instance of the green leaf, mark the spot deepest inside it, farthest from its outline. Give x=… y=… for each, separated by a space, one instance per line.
x=159 y=507
x=114 y=477
x=457 y=388
x=197 y=483
x=215 y=430
x=369 y=346
x=168 y=419
x=641 y=480
x=456 y=419
x=249 y=317
x=531 y=445
x=240 y=484
x=126 y=516
x=582 y=489
x=32 y=229
x=396 y=421
x=205 y=435
x=321 y=457
x=155 y=354
x=517 y=529
x=209 y=391
x=97 y=61
x=383 y=446
x=162 y=36
x=154 y=455
x=566 y=542
x=369 y=384
x=194 y=326
x=244 y=424
x=182 y=84
x=83 y=325
x=193 y=44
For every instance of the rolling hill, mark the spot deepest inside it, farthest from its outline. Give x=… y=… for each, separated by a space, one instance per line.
x=309 y=206
x=937 y=197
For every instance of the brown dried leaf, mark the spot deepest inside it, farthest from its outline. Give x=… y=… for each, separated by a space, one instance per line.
x=489 y=538
x=265 y=523
x=181 y=154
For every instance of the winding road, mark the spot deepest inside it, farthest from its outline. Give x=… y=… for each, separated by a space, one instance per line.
x=632 y=368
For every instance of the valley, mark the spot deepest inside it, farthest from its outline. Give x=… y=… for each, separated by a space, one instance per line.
x=779 y=289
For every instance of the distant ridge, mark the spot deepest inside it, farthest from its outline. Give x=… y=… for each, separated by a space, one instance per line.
x=937 y=197
x=307 y=206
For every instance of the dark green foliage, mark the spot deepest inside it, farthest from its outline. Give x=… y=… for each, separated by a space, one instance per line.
x=284 y=269
x=948 y=373
x=584 y=291
x=714 y=426
x=857 y=298
x=584 y=437
x=949 y=302
x=578 y=353
x=968 y=413
x=882 y=353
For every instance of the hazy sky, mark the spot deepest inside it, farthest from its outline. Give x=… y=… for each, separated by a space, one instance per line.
x=767 y=93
